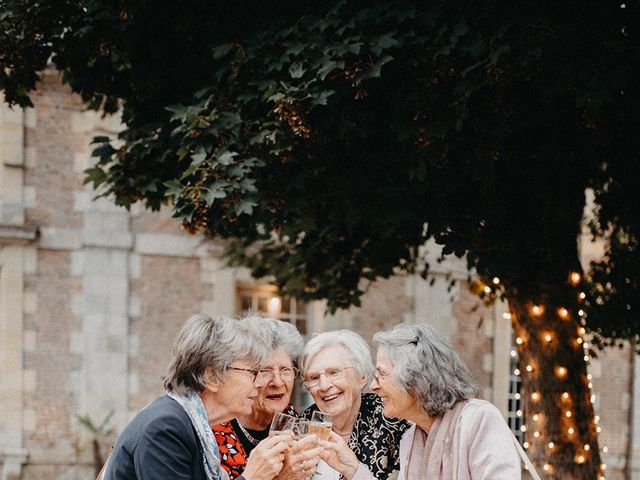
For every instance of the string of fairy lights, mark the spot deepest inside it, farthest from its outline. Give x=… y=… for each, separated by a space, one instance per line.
x=561 y=372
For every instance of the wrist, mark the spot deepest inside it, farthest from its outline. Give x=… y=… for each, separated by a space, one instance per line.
x=350 y=471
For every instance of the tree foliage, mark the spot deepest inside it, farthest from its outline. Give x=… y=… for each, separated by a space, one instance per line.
x=330 y=135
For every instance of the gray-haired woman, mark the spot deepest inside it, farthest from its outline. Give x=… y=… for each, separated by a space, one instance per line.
x=239 y=438
x=454 y=436
x=336 y=367
x=213 y=376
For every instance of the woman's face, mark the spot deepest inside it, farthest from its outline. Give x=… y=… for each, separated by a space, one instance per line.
x=396 y=400
x=342 y=394
x=238 y=389
x=275 y=395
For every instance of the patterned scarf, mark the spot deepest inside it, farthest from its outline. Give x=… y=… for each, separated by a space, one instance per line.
x=193 y=406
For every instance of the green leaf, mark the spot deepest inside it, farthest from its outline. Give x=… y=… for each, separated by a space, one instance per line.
x=212 y=194
x=244 y=207
x=173 y=188
x=297 y=70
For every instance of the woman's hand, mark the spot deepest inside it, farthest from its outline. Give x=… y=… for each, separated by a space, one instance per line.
x=301 y=460
x=339 y=456
x=266 y=460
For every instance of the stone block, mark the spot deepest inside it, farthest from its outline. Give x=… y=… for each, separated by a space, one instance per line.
x=135 y=266
x=30 y=118
x=30 y=260
x=29 y=341
x=59 y=238
x=29 y=420
x=29 y=378
x=30 y=302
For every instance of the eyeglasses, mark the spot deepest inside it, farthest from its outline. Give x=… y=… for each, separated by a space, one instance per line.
x=379 y=376
x=313 y=378
x=250 y=370
x=285 y=373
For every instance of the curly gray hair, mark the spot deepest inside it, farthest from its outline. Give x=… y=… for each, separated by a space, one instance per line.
x=282 y=334
x=354 y=345
x=426 y=366
x=206 y=346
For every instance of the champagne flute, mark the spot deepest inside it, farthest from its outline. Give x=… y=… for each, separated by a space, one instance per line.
x=320 y=425
x=282 y=424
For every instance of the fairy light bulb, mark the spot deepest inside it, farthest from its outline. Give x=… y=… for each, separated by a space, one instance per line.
x=580 y=459
x=525 y=445
x=547 y=337
x=563 y=313
x=574 y=278
x=535 y=396
x=487 y=289
x=570 y=430
x=561 y=372
x=537 y=310
x=567 y=414
x=582 y=331
x=529 y=368
x=551 y=445
x=587 y=447
x=519 y=341
x=565 y=395
x=514 y=353
x=506 y=316
x=523 y=428
x=516 y=372
x=605 y=449
x=536 y=434
x=579 y=341
x=536 y=417
x=496 y=280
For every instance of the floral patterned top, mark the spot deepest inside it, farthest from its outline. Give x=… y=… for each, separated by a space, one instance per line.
x=375 y=439
x=235 y=446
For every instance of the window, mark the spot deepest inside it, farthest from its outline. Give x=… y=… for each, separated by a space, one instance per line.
x=265 y=299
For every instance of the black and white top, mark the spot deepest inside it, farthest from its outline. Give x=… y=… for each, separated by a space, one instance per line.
x=375 y=439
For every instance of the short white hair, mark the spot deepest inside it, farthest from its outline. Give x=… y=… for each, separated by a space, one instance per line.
x=354 y=345
x=206 y=346
x=426 y=366
x=281 y=334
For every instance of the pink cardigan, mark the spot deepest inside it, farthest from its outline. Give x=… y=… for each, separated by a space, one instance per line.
x=485 y=445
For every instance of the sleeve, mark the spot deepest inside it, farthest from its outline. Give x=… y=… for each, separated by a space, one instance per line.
x=165 y=450
x=363 y=473
x=492 y=455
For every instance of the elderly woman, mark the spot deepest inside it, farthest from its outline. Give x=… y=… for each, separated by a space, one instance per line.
x=239 y=437
x=336 y=368
x=211 y=378
x=454 y=436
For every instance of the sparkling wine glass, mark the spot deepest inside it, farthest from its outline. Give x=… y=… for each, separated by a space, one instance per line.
x=320 y=425
x=282 y=424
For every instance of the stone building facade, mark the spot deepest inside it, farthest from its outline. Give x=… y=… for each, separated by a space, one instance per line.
x=91 y=297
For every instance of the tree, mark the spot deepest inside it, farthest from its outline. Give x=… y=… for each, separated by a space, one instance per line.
x=326 y=143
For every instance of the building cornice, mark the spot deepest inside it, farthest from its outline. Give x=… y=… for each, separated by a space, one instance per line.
x=20 y=234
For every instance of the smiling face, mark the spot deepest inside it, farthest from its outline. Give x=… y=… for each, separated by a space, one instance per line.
x=396 y=400
x=339 y=397
x=275 y=396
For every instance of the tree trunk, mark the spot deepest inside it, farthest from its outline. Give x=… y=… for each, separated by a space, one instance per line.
x=559 y=417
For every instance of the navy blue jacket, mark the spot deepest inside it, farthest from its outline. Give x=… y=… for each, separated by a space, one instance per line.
x=158 y=443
